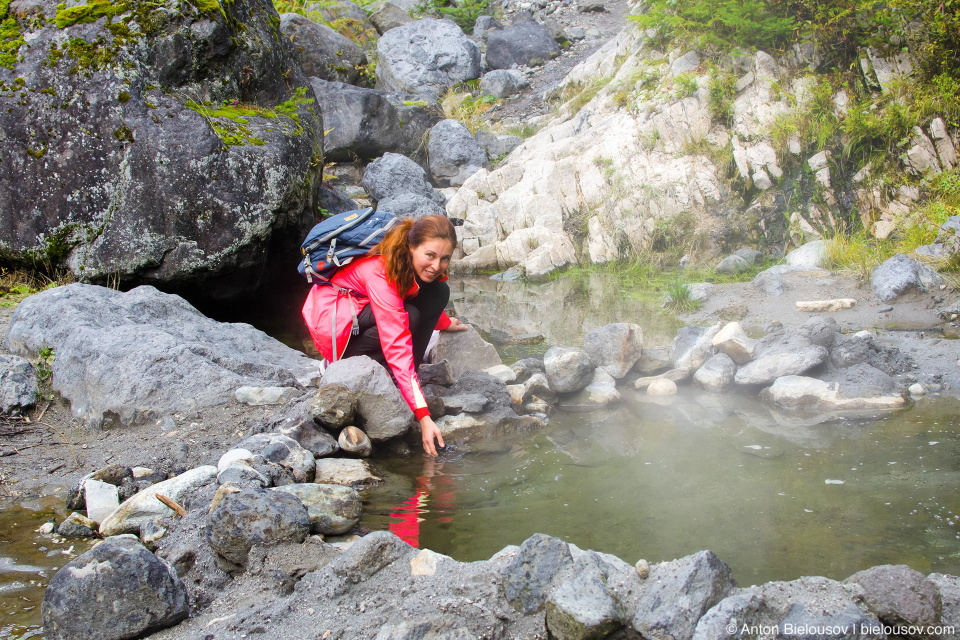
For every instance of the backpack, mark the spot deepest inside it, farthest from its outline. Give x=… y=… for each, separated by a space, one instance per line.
x=339 y=239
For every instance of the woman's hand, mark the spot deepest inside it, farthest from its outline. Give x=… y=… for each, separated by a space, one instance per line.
x=456 y=325
x=430 y=430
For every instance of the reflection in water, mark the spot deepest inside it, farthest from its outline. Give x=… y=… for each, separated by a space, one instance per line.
x=774 y=499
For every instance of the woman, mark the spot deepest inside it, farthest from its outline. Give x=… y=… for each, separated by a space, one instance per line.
x=386 y=306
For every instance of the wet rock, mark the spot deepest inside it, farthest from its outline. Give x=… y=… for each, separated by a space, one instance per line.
x=333 y=509
x=615 y=348
x=381 y=411
x=144 y=506
x=282 y=451
x=732 y=341
x=661 y=387
x=901 y=274
x=502 y=83
x=800 y=392
x=393 y=175
x=810 y=255
x=693 y=346
x=454 y=154
x=240 y=519
x=465 y=351
x=568 y=369
x=673 y=375
x=525 y=368
x=367 y=123
x=18 y=384
x=583 y=606
x=679 y=593
x=601 y=392
x=77 y=526
x=899 y=596
x=425 y=57
x=355 y=442
x=497 y=146
x=324 y=53
x=347 y=472
x=101 y=498
x=182 y=359
x=716 y=374
x=116 y=590
x=439 y=374
x=333 y=406
x=524 y=43
x=528 y=578
x=389 y=16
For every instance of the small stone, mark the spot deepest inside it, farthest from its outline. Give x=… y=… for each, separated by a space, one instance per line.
x=820 y=306
x=916 y=389
x=643 y=569
x=233 y=455
x=662 y=387
x=46 y=528
x=354 y=441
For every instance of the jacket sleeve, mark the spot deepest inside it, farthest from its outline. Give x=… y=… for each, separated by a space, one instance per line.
x=443 y=322
x=393 y=325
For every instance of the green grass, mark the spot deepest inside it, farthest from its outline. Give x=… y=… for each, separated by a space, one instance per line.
x=17 y=285
x=679 y=297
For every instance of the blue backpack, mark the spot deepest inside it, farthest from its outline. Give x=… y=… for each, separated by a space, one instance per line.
x=339 y=239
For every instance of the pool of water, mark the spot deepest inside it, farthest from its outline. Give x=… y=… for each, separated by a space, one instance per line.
x=775 y=498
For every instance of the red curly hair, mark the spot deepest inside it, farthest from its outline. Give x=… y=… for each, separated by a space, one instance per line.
x=406 y=235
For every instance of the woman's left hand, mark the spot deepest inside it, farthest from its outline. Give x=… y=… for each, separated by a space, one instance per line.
x=456 y=325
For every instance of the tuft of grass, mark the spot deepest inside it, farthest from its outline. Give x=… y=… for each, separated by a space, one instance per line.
x=679 y=297
x=17 y=285
x=469 y=110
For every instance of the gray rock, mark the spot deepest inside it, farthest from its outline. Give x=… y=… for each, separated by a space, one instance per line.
x=528 y=578
x=174 y=194
x=810 y=256
x=716 y=374
x=465 y=403
x=732 y=341
x=652 y=360
x=537 y=386
x=948 y=234
x=693 y=346
x=502 y=83
x=438 y=373
x=949 y=587
x=687 y=63
x=367 y=123
x=389 y=16
x=454 y=154
x=393 y=174
x=18 y=384
x=465 y=351
x=183 y=360
x=334 y=10
x=411 y=205
x=497 y=146
x=355 y=442
x=259 y=396
x=525 y=368
x=775 y=363
x=723 y=621
x=425 y=57
x=368 y=556
x=317 y=441
x=901 y=274
x=556 y=31
x=484 y=25
x=282 y=451
x=350 y=473
x=144 y=506
x=324 y=53
x=240 y=519
x=808 y=619
x=601 y=392
x=584 y=606
x=732 y=264
x=333 y=509
x=242 y=474
x=615 y=348
x=568 y=369
x=113 y=474
x=524 y=43
x=861 y=381
x=333 y=406
x=77 y=526
x=752 y=256
x=381 y=411
x=799 y=392
x=899 y=596
x=679 y=593
x=116 y=590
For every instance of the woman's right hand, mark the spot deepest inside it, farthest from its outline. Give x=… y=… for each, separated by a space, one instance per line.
x=430 y=431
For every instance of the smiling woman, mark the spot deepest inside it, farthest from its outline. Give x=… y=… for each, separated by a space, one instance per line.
x=387 y=305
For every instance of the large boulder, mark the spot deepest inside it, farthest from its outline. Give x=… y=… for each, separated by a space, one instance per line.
x=183 y=360
x=18 y=384
x=583 y=606
x=693 y=346
x=392 y=175
x=465 y=351
x=525 y=43
x=716 y=374
x=381 y=411
x=568 y=369
x=529 y=577
x=899 y=596
x=389 y=16
x=901 y=274
x=425 y=57
x=324 y=53
x=411 y=205
x=333 y=509
x=615 y=348
x=454 y=154
x=178 y=174
x=240 y=519
x=366 y=123
x=116 y=590
x=145 y=506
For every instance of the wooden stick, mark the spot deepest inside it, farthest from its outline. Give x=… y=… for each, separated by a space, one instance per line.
x=170 y=503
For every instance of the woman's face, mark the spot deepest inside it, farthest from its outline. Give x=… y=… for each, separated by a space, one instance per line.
x=431 y=258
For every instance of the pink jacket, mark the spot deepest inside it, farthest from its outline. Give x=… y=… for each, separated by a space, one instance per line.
x=366 y=280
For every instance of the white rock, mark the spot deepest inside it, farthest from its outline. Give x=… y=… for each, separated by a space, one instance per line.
x=144 y=506
x=812 y=254
x=502 y=372
x=761 y=180
x=231 y=456
x=818 y=306
x=732 y=341
x=256 y=396
x=818 y=161
x=792 y=392
x=941 y=139
x=353 y=473
x=425 y=563
x=662 y=387
x=102 y=499
x=916 y=389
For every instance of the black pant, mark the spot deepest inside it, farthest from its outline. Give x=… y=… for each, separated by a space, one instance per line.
x=424 y=311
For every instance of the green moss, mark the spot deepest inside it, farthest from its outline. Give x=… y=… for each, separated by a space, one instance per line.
x=90 y=12
x=124 y=97
x=37 y=153
x=123 y=134
x=415 y=103
x=230 y=121
x=49 y=91
x=54 y=55
x=11 y=39
x=90 y=56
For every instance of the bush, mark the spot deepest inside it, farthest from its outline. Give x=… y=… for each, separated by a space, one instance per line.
x=464 y=12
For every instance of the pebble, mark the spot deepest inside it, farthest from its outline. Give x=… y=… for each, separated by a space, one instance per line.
x=643 y=569
x=917 y=389
x=46 y=528
x=884 y=309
